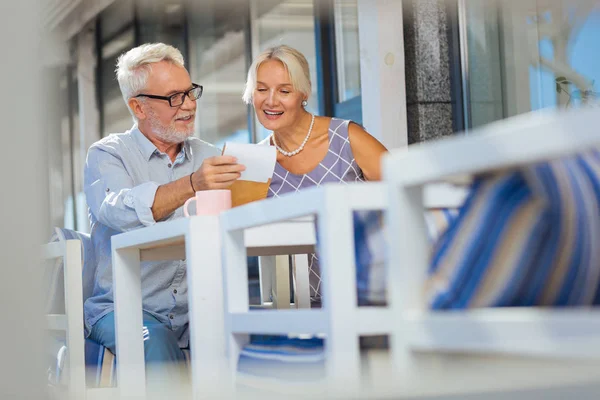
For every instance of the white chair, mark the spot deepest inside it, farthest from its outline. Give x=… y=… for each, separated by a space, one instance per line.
x=550 y=334
x=549 y=337
x=71 y=322
x=533 y=333
x=340 y=319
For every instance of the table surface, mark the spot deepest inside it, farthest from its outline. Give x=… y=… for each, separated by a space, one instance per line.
x=167 y=239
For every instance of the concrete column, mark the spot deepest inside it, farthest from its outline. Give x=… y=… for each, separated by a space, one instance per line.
x=382 y=71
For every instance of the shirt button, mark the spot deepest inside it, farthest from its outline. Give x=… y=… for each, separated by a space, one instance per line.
x=171 y=316
x=169 y=165
x=107 y=190
x=175 y=291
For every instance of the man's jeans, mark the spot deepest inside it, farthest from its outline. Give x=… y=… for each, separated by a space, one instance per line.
x=164 y=359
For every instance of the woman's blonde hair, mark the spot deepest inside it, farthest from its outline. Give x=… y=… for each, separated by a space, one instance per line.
x=294 y=62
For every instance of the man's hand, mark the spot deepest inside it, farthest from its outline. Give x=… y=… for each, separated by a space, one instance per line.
x=217 y=172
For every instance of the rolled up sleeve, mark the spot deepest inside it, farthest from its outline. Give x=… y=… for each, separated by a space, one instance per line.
x=111 y=196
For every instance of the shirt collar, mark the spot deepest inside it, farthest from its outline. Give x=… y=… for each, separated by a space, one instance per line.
x=187 y=149
x=148 y=148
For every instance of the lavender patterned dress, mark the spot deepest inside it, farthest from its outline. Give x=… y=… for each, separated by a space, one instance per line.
x=337 y=166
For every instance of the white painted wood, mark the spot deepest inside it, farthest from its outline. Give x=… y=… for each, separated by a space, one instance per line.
x=363 y=196
x=339 y=320
x=194 y=238
x=300 y=207
x=280 y=322
x=373 y=321
x=206 y=309
x=128 y=320
x=549 y=333
x=266 y=269
x=161 y=234
x=540 y=136
x=53 y=250
x=338 y=289
x=444 y=195
x=383 y=90
x=74 y=312
x=283 y=234
x=522 y=332
x=301 y=281
x=407 y=265
x=281 y=282
x=273 y=210
x=72 y=321
x=554 y=333
x=236 y=291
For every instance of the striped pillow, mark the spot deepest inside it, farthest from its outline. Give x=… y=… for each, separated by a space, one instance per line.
x=523 y=238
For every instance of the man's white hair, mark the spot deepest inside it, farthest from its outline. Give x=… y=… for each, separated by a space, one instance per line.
x=134 y=67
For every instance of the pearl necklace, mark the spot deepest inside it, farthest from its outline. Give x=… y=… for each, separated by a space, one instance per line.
x=299 y=149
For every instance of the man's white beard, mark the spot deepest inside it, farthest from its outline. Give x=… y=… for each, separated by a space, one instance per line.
x=169 y=134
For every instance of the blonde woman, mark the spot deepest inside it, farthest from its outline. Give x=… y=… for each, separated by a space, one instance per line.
x=311 y=150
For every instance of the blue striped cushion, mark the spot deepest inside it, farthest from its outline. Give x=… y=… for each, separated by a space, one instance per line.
x=523 y=238
x=291 y=359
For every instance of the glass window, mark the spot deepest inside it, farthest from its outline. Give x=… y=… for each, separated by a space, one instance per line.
x=347 y=49
x=115 y=114
x=218 y=62
x=59 y=148
x=290 y=22
x=162 y=21
x=485 y=79
x=116 y=18
x=529 y=55
x=65 y=169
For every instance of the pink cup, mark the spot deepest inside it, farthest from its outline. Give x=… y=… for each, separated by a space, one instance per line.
x=209 y=202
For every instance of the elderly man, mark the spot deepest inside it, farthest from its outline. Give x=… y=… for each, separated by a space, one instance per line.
x=145 y=175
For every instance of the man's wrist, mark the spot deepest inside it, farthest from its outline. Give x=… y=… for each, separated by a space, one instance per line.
x=192 y=182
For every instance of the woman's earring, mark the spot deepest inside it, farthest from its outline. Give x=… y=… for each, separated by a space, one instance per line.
x=304 y=103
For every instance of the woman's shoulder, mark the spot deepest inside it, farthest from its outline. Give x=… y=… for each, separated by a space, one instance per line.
x=342 y=126
x=335 y=122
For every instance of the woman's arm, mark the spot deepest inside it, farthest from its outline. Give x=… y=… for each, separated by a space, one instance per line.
x=367 y=151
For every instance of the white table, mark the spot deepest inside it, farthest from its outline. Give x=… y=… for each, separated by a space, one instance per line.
x=197 y=240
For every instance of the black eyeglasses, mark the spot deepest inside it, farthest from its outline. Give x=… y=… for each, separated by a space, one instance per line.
x=177 y=99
